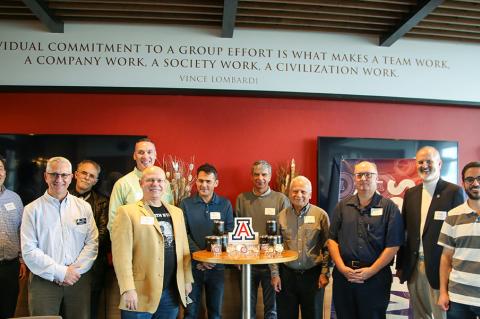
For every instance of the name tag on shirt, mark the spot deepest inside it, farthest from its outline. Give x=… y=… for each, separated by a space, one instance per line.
x=440 y=215
x=270 y=211
x=81 y=221
x=214 y=215
x=374 y=211
x=146 y=220
x=10 y=206
x=309 y=220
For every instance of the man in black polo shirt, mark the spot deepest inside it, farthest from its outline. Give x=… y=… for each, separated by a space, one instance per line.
x=365 y=234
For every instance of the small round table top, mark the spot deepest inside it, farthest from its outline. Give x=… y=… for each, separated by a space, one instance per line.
x=208 y=257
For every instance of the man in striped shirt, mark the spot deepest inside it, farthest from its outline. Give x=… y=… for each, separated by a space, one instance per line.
x=460 y=261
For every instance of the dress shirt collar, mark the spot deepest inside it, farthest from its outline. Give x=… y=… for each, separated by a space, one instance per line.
x=2 y=189
x=355 y=201
x=53 y=200
x=302 y=212
x=137 y=172
x=214 y=200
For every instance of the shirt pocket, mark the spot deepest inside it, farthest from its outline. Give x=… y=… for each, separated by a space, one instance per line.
x=79 y=225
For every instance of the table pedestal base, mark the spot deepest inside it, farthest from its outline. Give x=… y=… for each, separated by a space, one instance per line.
x=246 y=290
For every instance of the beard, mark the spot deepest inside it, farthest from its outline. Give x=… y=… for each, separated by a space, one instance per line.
x=473 y=196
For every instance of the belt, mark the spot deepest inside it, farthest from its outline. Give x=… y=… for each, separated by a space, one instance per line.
x=8 y=261
x=298 y=271
x=355 y=264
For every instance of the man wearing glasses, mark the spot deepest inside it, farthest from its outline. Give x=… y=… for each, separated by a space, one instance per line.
x=59 y=242
x=460 y=261
x=365 y=234
x=86 y=177
x=425 y=207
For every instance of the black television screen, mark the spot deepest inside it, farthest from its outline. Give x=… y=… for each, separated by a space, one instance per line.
x=332 y=150
x=27 y=156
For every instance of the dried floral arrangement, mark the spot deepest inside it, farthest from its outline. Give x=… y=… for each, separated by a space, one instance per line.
x=285 y=173
x=180 y=175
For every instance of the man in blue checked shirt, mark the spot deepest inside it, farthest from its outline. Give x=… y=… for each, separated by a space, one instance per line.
x=200 y=211
x=11 y=266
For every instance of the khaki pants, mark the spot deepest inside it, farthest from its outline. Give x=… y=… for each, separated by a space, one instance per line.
x=422 y=297
x=46 y=297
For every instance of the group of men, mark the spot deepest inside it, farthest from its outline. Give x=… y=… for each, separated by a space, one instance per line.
x=65 y=235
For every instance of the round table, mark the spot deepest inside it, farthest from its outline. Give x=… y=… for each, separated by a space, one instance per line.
x=245 y=262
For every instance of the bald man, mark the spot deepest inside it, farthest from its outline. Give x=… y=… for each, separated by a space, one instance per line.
x=365 y=234
x=424 y=209
x=150 y=253
x=300 y=284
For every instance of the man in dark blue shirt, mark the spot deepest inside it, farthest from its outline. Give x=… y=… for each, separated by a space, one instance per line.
x=365 y=234
x=201 y=210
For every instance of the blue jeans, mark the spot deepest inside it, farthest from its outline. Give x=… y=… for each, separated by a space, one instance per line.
x=261 y=274
x=213 y=280
x=462 y=311
x=167 y=309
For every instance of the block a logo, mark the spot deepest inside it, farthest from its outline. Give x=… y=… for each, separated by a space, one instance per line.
x=243 y=231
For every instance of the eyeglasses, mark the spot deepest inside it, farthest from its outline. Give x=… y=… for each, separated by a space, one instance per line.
x=57 y=175
x=367 y=175
x=87 y=175
x=471 y=180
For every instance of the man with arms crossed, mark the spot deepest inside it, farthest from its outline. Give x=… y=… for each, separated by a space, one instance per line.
x=460 y=261
x=150 y=253
x=304 y=228
x=59 y=245
x=261 y=204
x=424 y=209
x=200 y=211
x=365 y=234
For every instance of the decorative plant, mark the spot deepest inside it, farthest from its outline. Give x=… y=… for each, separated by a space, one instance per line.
x=180 y=175
x=285 y=174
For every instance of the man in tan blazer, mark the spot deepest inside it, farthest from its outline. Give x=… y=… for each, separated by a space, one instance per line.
x=150 y=253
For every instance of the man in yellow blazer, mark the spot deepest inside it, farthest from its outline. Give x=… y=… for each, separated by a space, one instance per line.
x=150 y=253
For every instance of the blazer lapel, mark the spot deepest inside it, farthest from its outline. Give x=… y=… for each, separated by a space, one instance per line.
x=417 y=201
x=436 y=198
x=147 y=211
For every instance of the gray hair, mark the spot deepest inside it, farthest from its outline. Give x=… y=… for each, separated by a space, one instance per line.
x=302 y=179
x=58 y=159
x=87 y=161
x=431 y=149
x=264 y=164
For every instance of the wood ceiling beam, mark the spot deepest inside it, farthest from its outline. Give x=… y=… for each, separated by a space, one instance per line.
x=229 y=16
x=414 y=17
x=41 y=10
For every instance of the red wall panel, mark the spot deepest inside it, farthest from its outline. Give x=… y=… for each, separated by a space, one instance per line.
x=232 y=132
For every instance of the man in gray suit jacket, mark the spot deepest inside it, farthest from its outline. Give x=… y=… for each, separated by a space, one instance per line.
x=425 y=207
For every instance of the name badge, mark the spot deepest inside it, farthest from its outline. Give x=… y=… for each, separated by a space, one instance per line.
x=81 y=221
x=440 y=215
x=215 y=215
x=374 y=211
x=10 y=206
x=309 y=220
x=146 y=220
x=270 y=211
